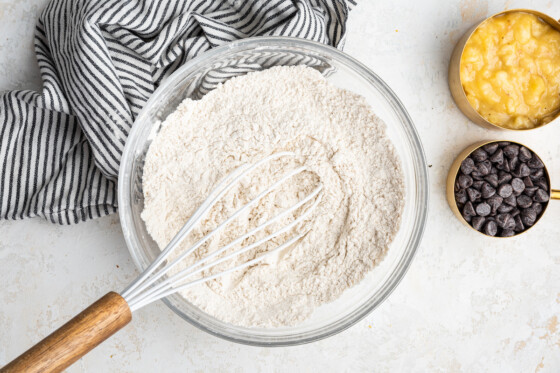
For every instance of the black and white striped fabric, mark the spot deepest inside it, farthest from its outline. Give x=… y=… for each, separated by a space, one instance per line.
x=100 y=60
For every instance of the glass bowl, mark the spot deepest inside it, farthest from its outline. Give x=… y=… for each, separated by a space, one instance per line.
x=200 y=75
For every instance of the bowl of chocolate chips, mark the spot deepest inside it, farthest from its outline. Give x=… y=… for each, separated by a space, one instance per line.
x=499 y=188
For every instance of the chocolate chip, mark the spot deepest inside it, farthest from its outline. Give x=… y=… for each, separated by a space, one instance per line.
x=468 y=210
x=495 y=202
x=504 y=167
x=522 y=171
x=461 y=196
x=505 y=208
x=507 y=233
x=527 y=181
x=505 y=221
x=510 y=223
x=487 y=190
x=531 y=211
x=528 y=217
x=504 y=143
x=479 y=155
x=518 y=185
x=519 y=227
x=541 y=196
x=473 y=194
x=484 y=168
x=535 y=162
x=511 y=151
x=524 y=201
x=537 y=207
x=504 y=177
x=515 y=212
x=492 y=179
x=513 y=163
x=491 y=148
x=511 y=200
x=483 y=209
x=491 y=228
x=465 y=181
x=530 y=191
x=478 y=184
x=541 y=183
x=467 y=218
x=537 y=173
x=477 y=175
x=467 y=166
x=497 y=157
x=478 y=222
x=524 y=154
x=505 y=190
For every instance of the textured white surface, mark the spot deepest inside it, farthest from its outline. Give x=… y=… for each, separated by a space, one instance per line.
x=468 y=303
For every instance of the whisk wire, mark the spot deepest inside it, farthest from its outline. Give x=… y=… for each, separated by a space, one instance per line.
x=183 y=232
x=143 y=291
x=286 y=244
x=215 y=231
x=210 y=201
x=188 y=272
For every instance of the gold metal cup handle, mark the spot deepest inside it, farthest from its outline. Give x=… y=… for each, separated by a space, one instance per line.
x=454 y=171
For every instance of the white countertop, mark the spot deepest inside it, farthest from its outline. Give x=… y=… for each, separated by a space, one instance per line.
x=467 y=304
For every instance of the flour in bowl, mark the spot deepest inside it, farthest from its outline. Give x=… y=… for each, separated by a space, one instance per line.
x=334 y=133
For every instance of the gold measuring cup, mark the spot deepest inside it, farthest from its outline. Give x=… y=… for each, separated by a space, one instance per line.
x=454 y=77
x=454 y=171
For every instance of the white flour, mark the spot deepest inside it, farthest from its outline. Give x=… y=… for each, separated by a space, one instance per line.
x=334 y=133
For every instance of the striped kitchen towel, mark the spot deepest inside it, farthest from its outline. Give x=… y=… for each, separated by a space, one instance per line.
x=100 y=60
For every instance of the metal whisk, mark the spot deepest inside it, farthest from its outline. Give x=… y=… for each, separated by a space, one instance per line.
x=139 y=293
x=113 y=311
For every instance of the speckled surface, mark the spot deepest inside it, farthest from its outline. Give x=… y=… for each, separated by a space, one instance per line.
x=468 y=303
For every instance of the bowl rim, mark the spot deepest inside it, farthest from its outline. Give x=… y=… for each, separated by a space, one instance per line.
x=420 y=176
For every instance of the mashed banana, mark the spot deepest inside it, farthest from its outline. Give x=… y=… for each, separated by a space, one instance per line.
x=510 y=71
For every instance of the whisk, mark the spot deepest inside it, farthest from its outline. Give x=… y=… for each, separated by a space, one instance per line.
x=113 y=311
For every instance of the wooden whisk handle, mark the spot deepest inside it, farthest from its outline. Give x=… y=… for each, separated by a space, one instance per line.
x=75 y=338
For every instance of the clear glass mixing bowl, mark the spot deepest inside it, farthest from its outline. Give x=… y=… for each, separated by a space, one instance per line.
x=200 y=75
